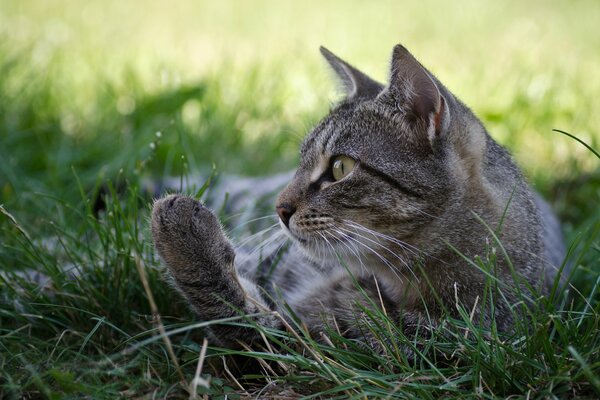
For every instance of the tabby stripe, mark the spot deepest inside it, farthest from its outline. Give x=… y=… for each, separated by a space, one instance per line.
x=390 y=180
x=218 y=286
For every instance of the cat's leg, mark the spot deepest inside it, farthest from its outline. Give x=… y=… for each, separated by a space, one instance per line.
x=200 y=259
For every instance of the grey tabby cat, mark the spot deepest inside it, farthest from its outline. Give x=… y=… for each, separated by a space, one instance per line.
x=397 y=187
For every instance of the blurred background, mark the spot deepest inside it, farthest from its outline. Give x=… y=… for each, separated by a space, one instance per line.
x=91 y=90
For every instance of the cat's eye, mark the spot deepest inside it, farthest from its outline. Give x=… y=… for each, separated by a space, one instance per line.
x=341 y=167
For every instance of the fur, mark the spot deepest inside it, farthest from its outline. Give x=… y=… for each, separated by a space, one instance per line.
x=428 y=189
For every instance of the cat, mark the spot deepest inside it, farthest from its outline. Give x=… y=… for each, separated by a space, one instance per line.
x=396 y=190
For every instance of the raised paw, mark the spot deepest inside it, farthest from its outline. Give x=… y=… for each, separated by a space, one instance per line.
x=188 y=236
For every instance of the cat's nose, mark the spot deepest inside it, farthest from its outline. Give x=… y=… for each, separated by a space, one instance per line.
x=285 y=211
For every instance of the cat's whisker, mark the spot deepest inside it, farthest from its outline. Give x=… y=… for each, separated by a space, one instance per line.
x=350 y=246
x=343 y=243
x=318 y=247
x=342 y=251
x=264 y=230
x=256 y=235
x=277 y=242
x=325 y=250
x=392 y=268
x=402 y=260
x=394 y=240
x=405 y=246
x=377 y=240
x=278 y=249
x=229 y=217
x=374 y=241
x=334 y=253
x=265 y=243
x=417 y=209
x=242 y=224
x=352 y=249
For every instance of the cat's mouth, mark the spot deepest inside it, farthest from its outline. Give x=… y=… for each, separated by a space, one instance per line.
x=321 y=244
x=291 y=234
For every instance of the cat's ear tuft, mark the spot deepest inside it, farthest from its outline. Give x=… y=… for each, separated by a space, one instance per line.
x=356 y=84
x=418 y=92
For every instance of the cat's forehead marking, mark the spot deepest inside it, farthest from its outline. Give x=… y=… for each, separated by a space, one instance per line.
x=320 y=167
x=322 y=147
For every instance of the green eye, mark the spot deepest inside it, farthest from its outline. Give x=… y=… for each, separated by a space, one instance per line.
x=341 y=167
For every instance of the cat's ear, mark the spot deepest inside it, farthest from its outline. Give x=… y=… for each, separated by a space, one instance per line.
x=418 y=93
x=355 y=83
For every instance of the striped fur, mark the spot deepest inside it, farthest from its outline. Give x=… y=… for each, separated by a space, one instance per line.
x=429 y=187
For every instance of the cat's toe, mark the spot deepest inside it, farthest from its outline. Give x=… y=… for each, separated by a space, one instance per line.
x=189 y=238
x=174 y=211
x=171 y=217
x=183 y=226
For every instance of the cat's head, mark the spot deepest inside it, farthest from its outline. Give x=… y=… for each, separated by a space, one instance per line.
x=382 y=167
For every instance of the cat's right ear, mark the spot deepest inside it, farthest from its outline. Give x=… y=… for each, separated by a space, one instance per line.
x=356 y=84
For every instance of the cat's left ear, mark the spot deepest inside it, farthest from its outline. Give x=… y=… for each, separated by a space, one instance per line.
x=355 y=83
x=415 y=89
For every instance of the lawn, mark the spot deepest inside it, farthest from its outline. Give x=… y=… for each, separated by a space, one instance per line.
x=99 y=98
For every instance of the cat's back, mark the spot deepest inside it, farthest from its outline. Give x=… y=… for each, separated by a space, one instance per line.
x=530 y=220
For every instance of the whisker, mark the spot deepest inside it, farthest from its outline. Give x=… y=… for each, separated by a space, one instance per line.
x=340 y=241
x=404 y=245
x=256 y=235
x=354 y=250
x=274 y=254
x=376 y=240
x=267 y=242
x=242 y=224
x=383 y=259
x=401 y=259
x=399 y=242
x=322 y=249
x=327 y=241
x=421 y=211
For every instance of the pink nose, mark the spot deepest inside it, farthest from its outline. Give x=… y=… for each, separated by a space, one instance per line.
x=285 y=211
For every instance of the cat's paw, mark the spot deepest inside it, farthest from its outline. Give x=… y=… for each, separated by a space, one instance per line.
x=188 y=236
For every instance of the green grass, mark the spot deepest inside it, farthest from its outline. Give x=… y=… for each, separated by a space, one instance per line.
x=104 y=95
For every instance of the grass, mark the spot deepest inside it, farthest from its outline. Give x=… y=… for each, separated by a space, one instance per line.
x=99 y=96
